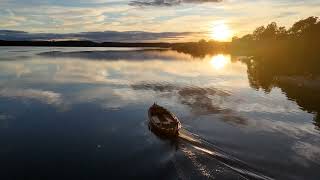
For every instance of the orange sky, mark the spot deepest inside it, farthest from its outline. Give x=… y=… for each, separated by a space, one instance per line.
x=211 y=20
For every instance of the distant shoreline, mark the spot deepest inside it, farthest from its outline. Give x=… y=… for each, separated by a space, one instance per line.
x=84 y=44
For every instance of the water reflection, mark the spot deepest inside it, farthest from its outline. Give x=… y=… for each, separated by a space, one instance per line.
x=191 y=144
x=48 y=97
x=106 y=92
x=220 y=61
x=116 y=55
x=298 y=86
x=200 y=100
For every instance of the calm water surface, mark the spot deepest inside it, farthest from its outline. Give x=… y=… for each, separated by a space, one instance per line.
x=81 y=113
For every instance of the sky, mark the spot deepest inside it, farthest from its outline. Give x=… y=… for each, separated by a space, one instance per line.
x=146 y=20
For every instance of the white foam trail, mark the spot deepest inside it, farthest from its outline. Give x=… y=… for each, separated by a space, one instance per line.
x=227 y=160
x=184 y=134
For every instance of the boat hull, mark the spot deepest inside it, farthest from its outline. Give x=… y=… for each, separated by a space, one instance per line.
x=159 y=127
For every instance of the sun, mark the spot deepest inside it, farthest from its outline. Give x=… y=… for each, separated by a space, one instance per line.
x=221 y=32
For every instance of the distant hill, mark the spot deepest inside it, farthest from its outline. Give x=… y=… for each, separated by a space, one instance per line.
x=82 y=44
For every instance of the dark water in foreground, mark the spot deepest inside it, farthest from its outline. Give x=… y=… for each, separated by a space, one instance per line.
x=81 y=113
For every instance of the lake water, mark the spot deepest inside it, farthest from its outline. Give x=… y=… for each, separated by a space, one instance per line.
x=81 y=113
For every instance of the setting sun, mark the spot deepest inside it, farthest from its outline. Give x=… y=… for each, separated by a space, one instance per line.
x=221 y=32
x=96 y=89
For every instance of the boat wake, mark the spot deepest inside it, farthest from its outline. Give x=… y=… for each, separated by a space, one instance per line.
x=203 y=146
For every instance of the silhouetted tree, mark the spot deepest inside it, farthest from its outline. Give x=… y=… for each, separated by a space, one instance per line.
x=303 y=26
x=258 y=33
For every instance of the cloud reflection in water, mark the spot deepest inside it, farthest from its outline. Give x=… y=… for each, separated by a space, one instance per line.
x=219 y=99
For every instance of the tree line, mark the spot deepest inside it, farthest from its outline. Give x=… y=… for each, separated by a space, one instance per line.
x=295 y=48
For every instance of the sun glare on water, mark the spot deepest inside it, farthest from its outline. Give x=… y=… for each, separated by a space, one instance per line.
x=219 y=61
x=221 y=32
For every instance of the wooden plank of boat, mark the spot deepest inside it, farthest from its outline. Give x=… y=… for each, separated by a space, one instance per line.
x=163 y=122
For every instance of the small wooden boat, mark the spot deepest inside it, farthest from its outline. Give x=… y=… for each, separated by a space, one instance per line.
x=163 y=122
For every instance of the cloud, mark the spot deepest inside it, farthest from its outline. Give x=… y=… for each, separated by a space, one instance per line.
x=166 y=2
x=105 y=36
x=58 y=16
